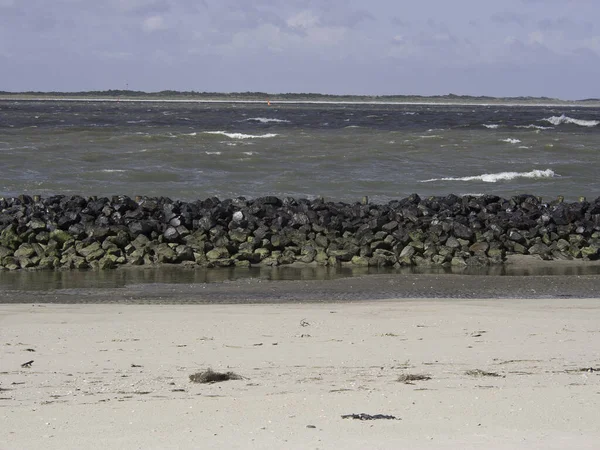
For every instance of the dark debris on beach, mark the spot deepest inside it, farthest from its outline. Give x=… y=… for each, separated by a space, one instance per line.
x=210 y=376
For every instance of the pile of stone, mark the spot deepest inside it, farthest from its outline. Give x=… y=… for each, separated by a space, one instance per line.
x=62 y=232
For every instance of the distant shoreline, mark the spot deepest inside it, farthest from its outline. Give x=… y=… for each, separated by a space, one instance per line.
x=352 y=100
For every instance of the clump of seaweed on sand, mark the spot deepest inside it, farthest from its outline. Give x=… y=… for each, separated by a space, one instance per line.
x=482 y=373
x=210 y=376
x=410 y=378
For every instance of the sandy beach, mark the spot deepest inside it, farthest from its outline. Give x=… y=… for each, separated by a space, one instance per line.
x=503 y=374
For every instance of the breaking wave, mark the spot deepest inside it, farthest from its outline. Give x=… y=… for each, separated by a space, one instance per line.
x=536 y=127
x=266 y=120
x=511 y=140
x=558 y=120
x=241 y=135
x=491 y=126
x=502 y=176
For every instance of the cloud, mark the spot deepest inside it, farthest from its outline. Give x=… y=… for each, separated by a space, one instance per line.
x=319 y=43
x=154 y=23
x=303 y=20
x=507 y=17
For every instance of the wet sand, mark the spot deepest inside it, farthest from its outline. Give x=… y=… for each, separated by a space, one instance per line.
x=503 y=374
x=370 y=287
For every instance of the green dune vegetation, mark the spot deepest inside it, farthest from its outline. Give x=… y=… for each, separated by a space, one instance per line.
x=166 y=95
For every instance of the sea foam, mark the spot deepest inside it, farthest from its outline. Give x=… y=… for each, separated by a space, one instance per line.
x=536 y=127
x=241 y=135
x=266 y=120
x=511 y=140
x=501 y=176
x=558 y=120
x=491 y=126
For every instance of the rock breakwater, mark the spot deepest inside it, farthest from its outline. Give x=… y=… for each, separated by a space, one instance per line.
x=73 y=232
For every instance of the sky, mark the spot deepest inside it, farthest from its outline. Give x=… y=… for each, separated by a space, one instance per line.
x=377 y=47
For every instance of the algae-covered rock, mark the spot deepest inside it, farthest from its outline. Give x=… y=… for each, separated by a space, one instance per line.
x=24 y=251
x=60 y=236
x=360 y=261
x=592 y=252
x=217 y=253
x=165 y=254
x=9 y=238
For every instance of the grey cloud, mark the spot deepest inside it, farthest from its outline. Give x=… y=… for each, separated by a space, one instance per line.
x=565 y=24
x=154 y=7
x=308 y=44
x=507 y=17
x=397 y=21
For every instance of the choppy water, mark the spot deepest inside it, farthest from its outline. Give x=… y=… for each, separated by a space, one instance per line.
x=342 y=152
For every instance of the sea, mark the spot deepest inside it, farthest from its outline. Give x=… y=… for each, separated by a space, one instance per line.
x=338 y=151
x=342 y=152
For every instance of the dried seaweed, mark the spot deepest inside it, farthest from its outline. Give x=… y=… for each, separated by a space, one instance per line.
x=408 y=378
x=210 y=376
x=482 y=373
x=363 y=416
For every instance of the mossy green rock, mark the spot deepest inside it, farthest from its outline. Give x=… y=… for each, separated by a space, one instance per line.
x=48 y=262
x=321 y=257
x=165 y=254
x=242 y=263
x=360 y=261
x=591 y=252
x=60 y=236
x=343 y=254
x=262 y=252
x=10 y=263
x=184 y=253
x=224 y=262
x=140 y=242
x=136 y=258
x=9 y=238
x=92 y=252
x=24 y=251
x=108 y=262
x=479 y=247
x=217 y=253
x=238 y=235
x=458 y=262
x=252 y=258
x=4 y=251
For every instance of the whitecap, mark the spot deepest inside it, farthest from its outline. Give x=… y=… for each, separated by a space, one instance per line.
x=248 y=153
x=558 y=120
x=511 y=140
x=501 y=176
x=113 y=170
x=266 y=120
x=241 y=135
x=491 y=126
x=536 y=127
x=213 y=153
